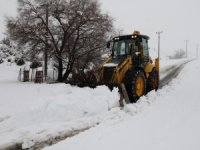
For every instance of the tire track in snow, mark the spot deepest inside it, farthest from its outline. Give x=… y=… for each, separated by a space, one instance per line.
x=56 y=139
x=38 y=145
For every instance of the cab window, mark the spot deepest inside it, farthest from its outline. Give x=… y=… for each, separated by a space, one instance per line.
x=145 y=48
x=119 y=48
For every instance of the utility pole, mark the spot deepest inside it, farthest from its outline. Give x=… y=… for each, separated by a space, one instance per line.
x=186 y=48
x=46 y=46
x=159 y=42
x=157 y=63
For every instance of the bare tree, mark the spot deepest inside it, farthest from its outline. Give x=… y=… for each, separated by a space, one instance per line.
x=72 y=30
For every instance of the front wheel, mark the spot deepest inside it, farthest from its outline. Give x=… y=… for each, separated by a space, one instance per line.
x=135 y=83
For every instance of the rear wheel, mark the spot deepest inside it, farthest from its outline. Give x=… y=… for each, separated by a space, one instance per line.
x=153 y=81
x=135 y=83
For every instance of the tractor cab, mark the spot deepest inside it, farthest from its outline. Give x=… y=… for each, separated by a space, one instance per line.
x=135 y=45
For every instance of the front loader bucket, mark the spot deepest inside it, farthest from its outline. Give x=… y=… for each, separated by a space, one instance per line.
x=83 y=79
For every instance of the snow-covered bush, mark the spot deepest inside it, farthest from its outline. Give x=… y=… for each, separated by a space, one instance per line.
x=35 y=64
x=1 y=61
x=5 y=51
x=9 y=60
x=20 y=62
x=9 y=52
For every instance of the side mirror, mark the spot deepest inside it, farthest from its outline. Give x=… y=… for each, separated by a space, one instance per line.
x=108 y=45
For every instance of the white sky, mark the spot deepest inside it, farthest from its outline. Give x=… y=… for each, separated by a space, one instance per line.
x=179 y=19
x=7 y=8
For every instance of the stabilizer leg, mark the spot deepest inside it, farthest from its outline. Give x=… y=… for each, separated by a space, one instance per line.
x=123 y=95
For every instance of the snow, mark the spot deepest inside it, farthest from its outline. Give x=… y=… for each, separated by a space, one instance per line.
x=166 y=119
x=167 y=65
x=110 y=65
x=28 y=109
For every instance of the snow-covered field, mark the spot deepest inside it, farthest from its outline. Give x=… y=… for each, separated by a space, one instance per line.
x=36 y=112
x=167 y=119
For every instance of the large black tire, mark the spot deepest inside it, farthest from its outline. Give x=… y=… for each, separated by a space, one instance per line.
x=153 y=81
x=135 y=83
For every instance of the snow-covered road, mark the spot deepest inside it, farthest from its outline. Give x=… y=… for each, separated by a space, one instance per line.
x=171 y=72
x=34 y=115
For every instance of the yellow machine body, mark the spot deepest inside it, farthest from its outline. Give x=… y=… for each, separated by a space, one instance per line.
x=120 y=71
x=129 y=54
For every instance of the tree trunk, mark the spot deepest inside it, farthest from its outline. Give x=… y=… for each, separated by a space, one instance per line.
x=66 y=75
x=68 y=71
x=60 y=70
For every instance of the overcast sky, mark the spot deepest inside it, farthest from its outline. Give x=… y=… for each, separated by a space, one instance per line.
x=7 y=8
x=178 y=19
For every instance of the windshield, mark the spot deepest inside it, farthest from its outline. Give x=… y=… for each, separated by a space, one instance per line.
x=119 y=48
x=123 y=47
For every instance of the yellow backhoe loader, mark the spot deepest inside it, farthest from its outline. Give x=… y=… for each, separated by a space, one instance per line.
x=129 y=67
